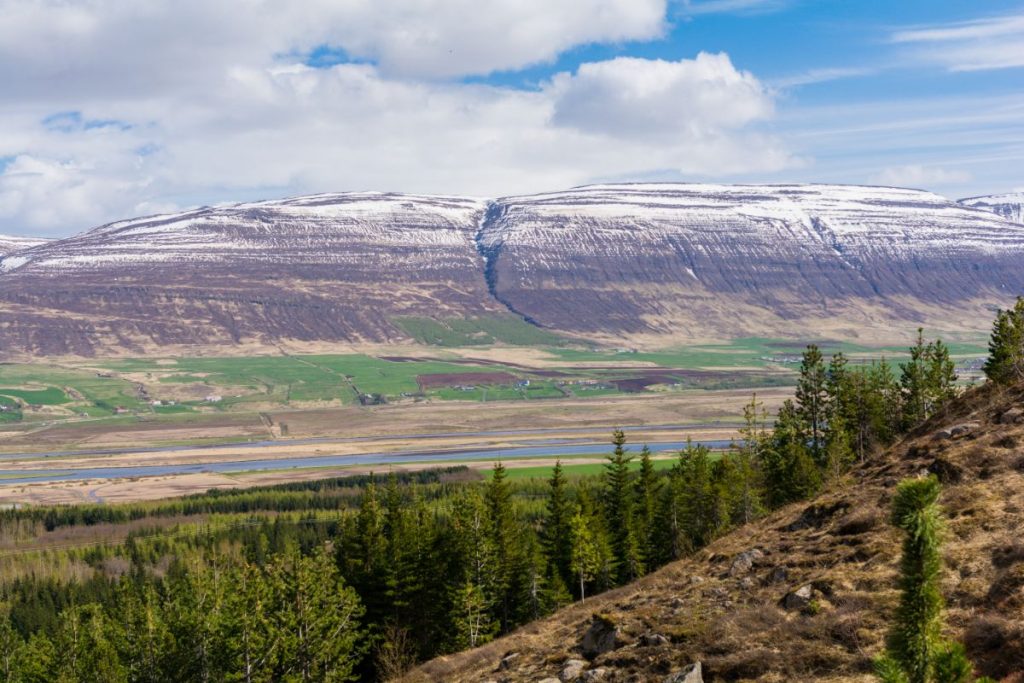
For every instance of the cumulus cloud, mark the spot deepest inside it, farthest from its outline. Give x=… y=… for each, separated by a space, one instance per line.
x=692 y=98
x=113 y=108
x=992 y=43
x=918 y=176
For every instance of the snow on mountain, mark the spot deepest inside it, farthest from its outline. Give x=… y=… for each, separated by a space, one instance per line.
x=668 y=262
x=1010 y=206
x=702 y=260
x=10 y=243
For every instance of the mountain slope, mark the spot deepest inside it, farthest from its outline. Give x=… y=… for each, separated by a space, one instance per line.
x=648 y=264
x=678 y=260
x=1009 y=206
x=328 y=267
x=751 y=622
x=10 y=244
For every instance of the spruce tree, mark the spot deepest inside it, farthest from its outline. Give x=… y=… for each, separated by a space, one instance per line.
x=555 y=533
x=647 y=487
x=916 y=651
x=914 y=384
x=812 y=400
x=618 y=512
x=1005 y=361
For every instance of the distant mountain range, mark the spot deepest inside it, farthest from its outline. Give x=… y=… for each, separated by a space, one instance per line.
x=645 y=264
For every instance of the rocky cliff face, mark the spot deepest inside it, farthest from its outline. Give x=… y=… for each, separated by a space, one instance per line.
x=658 y=263
x=1009 y=206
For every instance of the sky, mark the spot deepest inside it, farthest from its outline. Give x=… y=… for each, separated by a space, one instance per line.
x=117 y=108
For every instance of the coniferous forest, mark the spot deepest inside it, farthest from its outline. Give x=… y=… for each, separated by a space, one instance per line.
x=359 y=578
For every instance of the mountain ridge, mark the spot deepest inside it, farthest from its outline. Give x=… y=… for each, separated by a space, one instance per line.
x=650 y=263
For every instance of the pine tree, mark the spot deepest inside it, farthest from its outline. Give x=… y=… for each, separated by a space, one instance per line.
x=647 y=488
x=916 y=651
x=914 y=384
x=1005 y=363
x=618 y=512
x=790 y=473
x=940 y=376
x=316 y=618
x=812 y=400
x=250 y=642
x=838 y=452
x=555 y=533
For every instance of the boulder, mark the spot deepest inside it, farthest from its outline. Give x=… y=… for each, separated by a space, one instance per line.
x=1012 y=416
x=963 y=429
x=691 y=674
x=744 y=562
x=653 y=640
x=777 y=575
x=508 y=661
x=601 y=637
x=798 y=599
x=572 y=670
x=598 y=674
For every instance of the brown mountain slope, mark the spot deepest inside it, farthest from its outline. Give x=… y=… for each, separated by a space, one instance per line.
x=711 y=608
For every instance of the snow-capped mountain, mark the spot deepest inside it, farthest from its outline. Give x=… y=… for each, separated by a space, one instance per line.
x=664 y=262
x=10 y=243
x=1010 y=206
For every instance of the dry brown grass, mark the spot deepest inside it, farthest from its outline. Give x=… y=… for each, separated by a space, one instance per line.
x=843 y=546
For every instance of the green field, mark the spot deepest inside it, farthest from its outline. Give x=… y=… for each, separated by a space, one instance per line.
x=457 y=332
x=101 y=389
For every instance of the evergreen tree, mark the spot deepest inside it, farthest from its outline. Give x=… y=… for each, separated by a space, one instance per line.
x=1005 y=363
x=838 y=452
x=317 y=618
x=812 y=400
x=618 y=512
x=940 y=376
x=556 y=530
x=250 y=642
x=502 y=530
x=647 y=487
x=914 y=384
x=789 y=470
x=916 y=651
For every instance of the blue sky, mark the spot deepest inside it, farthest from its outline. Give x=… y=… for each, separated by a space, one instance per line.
x=111 y=108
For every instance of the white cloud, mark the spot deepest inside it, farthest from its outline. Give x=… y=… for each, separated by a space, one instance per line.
x=994 y=43
x=112 y=108
x=686 y=100
x=130 y=48
x=698 y=7
x=918 y=176
x=821 y=75
x=265 y=131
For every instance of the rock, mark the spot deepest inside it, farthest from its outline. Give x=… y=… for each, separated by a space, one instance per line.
x=601 y=637
x=798 y=599
x=744 y=562
x=1012 y=416
x=943 y=434
x=963 y=429
x=508 y=661
x=691 y=674
x=746 y=583
x=572 y=670
x=598 y=674
x=653 y=640
x=947 y=472
x=777 y=575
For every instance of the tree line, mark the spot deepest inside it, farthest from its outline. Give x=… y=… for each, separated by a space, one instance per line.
x=361 y=586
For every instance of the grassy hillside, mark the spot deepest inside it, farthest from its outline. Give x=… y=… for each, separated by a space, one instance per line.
x=840 y=549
